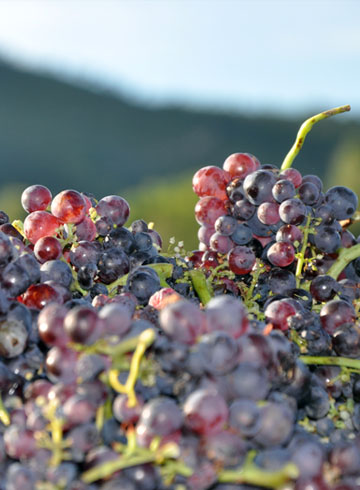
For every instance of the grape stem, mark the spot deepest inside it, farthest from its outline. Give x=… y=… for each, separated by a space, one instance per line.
x=4 y=415
x=303 y=131
x=253 y=475
x=346 y=255
x=331 y=361
x=301 y=258
x=201 y=286
x=146 y=338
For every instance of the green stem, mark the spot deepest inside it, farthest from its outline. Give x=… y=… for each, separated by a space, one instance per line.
x=145 y=339
x=301 y=259
x=4 y=414
x=140 y=456
x=331 y=361
x=303 y=131
x=107 y=469
x=201 y=286
x=346 y=255
x=253 y=475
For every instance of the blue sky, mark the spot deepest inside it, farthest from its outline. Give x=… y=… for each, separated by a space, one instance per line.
x=273 y=56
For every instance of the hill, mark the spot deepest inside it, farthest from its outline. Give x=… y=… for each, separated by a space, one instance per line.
x=68 y=135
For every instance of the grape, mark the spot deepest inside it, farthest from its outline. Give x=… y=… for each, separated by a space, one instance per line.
x=241 y=259
x=211 y=181
x=342 y=200
x=39 y=295
x=82 y=324
x=276 y=424
x=309 y=193
x=258 y=185
x=323 y=288
x=208 y=209
x=241 y=164
x=60 y=365
x=112 y=264
x=47 y=248
x=282 y=190
x=221 y=243
x=35 y=198
x=336 y=313
x=278 y=312
x=86 y=229
x=268 y=213
x=226 y=314
x=161 y=416
x=115 y=208
x=182 y=321
x=39 y=224
x=327 y=239
x=243 y=209
x=293 y=175
x=292 y=211
x=242 y=234
x=205 y=412
x=142 y=283
x=281 y=254
x=69 y=207
x=244 y=417
x=56 y=270
x=218 y=352
x=6 y=249
x=225 y=225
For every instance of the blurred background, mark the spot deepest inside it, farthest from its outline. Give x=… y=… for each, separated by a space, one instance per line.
x=132 y=97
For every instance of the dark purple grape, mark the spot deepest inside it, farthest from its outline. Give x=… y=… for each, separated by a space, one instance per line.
x=327 y=239
x=281 y=280
x=342 y=200
x=182 y=321
x=241 y=381
x=283 y=189
x=309 y=193
x=14 y=279
x=276 y=422
x=205 y=412
x=336 y=313
x=323 y=288
x=313 y=179
x=244 y=417
x=243 y=209
x=292 y=211
x=258 y=185
x=84 y=253
x=120 y=238
x=161 y=416
x=56 y=270
x=82 y=324
x=218 y=353
x=242 y=234
x=143 y=282
x=112 y=264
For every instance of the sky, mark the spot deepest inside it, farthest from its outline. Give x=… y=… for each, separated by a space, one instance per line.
x=286 y=56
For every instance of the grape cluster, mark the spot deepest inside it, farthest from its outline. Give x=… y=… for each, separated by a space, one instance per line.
x=235 y=366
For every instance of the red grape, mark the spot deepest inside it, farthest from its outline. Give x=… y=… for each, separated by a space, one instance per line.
x=241 y=164
x=39 y=224
x=211 y=181
x=69 y=206
x=35 y=198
